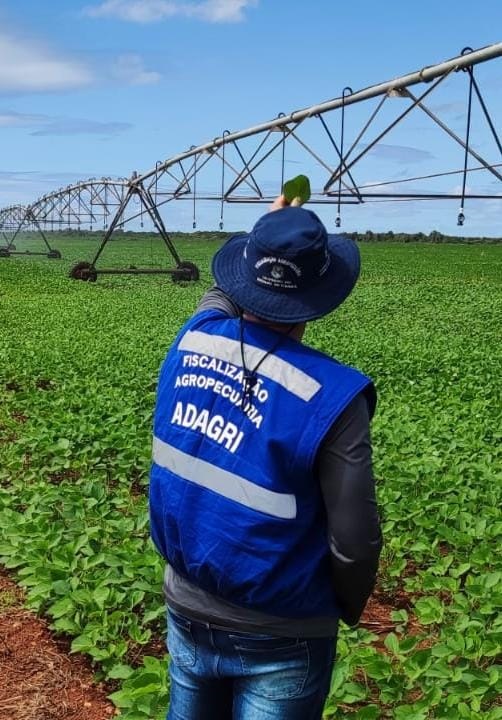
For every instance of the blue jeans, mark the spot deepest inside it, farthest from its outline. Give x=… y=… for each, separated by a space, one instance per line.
x=218 y=675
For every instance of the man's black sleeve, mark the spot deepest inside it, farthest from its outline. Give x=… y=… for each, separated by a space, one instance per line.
x=216 y=299
x=345 y=473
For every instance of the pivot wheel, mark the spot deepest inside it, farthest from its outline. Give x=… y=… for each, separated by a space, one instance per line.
x=83 y=271
x=186 y=271
x=4 y=252
x=54 y=255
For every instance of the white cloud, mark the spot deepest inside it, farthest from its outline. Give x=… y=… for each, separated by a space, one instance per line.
x=222 y=10
x=148 y=11
x=400 y=153
x=455 y=106
x=457 y=189
x=139 y=11
x=15 y=119
x=131 y=70
x=43 y=125
x=28 y=67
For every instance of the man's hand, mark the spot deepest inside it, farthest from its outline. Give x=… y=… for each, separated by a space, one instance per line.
x=279 y=203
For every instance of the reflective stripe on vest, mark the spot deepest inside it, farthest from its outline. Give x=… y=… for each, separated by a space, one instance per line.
x=275 y=368
x=232 y=486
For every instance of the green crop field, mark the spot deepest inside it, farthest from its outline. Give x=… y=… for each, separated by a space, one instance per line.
x=78 y=369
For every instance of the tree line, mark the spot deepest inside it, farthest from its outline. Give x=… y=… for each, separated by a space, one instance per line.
x=369 y=236
x=433 y=237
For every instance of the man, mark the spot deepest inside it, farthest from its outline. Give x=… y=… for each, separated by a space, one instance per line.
x=262 y=497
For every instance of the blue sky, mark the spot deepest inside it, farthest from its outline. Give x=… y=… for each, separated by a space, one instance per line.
x=105 y=87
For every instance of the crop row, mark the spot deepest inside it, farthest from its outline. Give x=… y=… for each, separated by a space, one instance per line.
x=77 y=385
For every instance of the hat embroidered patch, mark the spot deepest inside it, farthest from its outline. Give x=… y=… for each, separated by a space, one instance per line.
x=277 y=272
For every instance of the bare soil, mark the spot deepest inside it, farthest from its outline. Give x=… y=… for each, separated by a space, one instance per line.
x=39 y=680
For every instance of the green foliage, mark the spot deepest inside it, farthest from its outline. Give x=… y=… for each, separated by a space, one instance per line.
x=297 y=190
x=144 y=694
x=78 y=369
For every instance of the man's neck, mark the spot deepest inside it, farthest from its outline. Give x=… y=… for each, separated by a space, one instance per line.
x=293 y=330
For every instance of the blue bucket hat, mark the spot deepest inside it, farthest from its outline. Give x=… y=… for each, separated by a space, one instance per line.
x=287 y=269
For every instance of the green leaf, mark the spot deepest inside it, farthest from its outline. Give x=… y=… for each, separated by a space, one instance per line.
x=429 y=610
x=122 y=699
x=82 y=643
x=65 y=625
x=6 y=549
x=399 y=616
x=297 y=190
x=378 y=668
x=460 y=570
x=62 y=607
x=339 y=675
x=154 y=614
x=392 y=643
x=120 y=672
x=492 y=579
x=409 y=712
x=101 y=595
x=353 y=692
x=370 y=712
x=144 y=678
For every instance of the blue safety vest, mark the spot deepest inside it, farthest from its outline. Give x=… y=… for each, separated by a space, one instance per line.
x=234 y=502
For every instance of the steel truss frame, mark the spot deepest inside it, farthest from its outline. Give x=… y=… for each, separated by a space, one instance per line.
x=235 y=165
x=15 y=218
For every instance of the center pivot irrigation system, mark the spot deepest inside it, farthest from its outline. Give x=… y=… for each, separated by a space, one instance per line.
x=238 y=166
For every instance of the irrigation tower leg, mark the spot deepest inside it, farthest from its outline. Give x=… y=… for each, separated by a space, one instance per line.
x=113 y=224
x=183 y=271
x=28 y=217
x=53 y=254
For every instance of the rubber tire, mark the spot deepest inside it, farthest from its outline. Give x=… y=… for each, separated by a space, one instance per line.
x=186 y=270
x=54 y=254
x=4 y=252
x=83 y=271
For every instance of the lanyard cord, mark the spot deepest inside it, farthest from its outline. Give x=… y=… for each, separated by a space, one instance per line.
x=250 y=379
